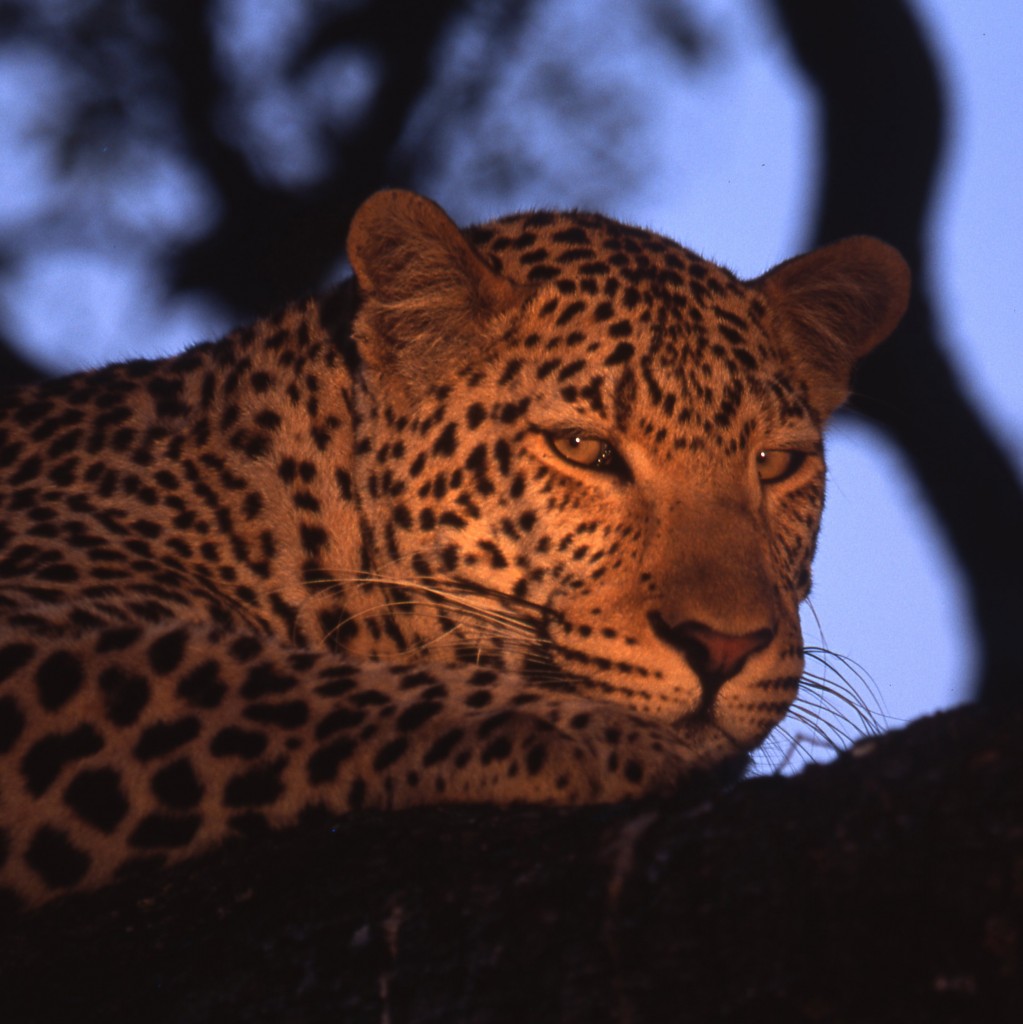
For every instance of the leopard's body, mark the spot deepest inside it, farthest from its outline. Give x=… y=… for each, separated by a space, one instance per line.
x=526 y=514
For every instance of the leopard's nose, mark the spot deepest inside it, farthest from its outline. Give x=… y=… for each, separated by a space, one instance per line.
x=714 y=656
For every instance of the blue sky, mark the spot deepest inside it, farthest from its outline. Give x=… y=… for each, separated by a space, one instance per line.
x=726 y=164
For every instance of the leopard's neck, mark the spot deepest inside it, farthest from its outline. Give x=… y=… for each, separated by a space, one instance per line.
x=248 y=443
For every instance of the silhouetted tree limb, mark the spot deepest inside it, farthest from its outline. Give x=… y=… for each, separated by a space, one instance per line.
x=883 y=132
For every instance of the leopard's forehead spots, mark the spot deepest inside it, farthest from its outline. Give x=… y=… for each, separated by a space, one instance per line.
x=634 y=330
x=591 y=255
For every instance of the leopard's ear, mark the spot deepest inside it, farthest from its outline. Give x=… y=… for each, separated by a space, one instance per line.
x=426 y=295
x=831 y=306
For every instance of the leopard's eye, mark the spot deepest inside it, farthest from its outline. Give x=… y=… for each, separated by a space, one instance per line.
x=591 y=452
x=777 y=464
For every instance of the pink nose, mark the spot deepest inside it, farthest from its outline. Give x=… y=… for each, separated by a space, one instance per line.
x=723 y=654
x=714 y=656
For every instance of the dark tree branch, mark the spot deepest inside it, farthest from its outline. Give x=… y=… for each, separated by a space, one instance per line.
x=882 y=142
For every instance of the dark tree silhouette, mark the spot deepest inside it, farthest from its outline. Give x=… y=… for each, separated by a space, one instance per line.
x=884 y=127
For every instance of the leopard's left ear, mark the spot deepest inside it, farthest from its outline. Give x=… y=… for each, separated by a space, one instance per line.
x=831 y=306
x=426 y=295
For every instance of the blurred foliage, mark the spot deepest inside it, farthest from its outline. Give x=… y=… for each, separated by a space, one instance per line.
x=242 y=136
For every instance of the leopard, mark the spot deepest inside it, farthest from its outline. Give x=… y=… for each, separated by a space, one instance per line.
x=517 y=514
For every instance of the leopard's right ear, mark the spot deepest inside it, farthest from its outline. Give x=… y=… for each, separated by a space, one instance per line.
x=426 y=294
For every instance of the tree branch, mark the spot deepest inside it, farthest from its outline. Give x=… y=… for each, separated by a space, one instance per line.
x=882 y=142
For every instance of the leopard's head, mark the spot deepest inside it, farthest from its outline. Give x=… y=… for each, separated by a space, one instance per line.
x=593 y=455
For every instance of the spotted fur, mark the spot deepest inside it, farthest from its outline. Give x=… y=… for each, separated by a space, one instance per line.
x=523 y=513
